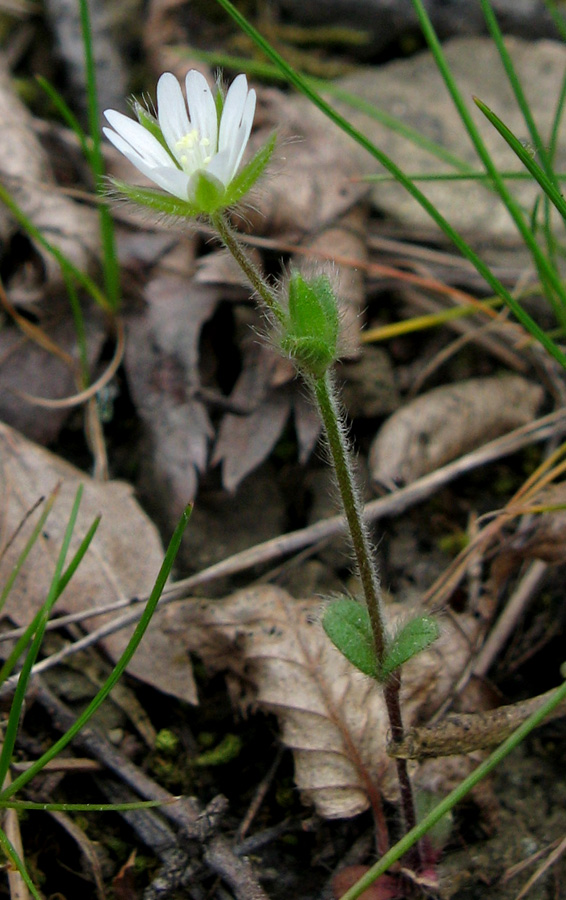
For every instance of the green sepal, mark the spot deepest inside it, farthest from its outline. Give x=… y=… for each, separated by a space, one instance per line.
x=347 y=624
x=415 y=636
x=208 y=193
x=158 y=201
x=245 y=180
x=311 y=333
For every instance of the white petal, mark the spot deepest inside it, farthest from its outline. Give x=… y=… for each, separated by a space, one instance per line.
x=202 y=108
x=220 y=166
x=233 y=111
x=243 y=134
x=172 y=180
x=171 y=110
x=141 y=141
x=167 y=176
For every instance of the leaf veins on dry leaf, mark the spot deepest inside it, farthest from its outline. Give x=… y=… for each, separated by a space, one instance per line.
x=122 y=561
x=331 y=716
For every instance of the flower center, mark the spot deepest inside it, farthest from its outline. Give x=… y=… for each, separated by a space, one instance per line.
x=191 y=151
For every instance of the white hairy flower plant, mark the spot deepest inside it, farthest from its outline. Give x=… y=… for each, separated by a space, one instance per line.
x=193 y=149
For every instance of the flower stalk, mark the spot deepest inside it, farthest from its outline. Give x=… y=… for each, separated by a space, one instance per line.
x=259 y=284
x=325 y=395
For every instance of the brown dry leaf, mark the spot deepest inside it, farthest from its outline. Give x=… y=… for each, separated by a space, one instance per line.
x=331 y=716
x=266 y=392
x=244 y=441
x=308 y=184
x=25 y=366
x=162 y=358
x=447 y=422
x=26 y=173
x=122 y=561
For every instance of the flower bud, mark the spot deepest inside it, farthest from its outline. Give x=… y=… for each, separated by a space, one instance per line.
x=310 y=334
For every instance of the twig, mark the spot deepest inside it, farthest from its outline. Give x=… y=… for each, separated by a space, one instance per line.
x=235 y=871
x=507 y=621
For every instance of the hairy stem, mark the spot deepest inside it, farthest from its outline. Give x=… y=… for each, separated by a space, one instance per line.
x=338 y=445
x=337 y=442
x=259 y=284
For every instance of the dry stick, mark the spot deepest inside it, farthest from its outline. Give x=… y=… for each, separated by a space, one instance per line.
x=465 y=732
x=507 y=621
x=549 y=426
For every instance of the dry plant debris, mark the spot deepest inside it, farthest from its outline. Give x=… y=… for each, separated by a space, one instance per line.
x=123 y=559
x=331 y=716
x=447 y=422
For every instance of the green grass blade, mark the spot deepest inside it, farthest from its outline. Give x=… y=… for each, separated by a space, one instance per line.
x=550 y=278
x=558 y=17
x=83 y=807
x=548 y=185
x=399 y=176
x=107 y=233
x=516 y=86
x=557 y=120
x=119 y=668
x=66 y=114
x=19 y=695
x=457 y=176
x=12 y=856
x=45 y=610
x=38 y=528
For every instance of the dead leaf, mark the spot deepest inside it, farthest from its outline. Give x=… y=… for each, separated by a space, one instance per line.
x=162 y=357
x=26 y=173
x=122 y=561
x=447 y=422
x=331 y=716
x=109 y=23
x=244 y=441
x=24 y=366
x=308 y=184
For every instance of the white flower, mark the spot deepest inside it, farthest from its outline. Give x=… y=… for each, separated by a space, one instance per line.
x=194 y=144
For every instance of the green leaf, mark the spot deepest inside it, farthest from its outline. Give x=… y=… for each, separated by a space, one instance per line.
x=347 y=624
x=416 y=635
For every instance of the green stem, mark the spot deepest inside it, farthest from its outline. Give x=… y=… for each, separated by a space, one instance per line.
x=338 y=445
x=337 y=442
x=260 y=286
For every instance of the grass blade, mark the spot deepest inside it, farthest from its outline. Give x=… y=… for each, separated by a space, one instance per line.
x=119 y=668
x=19 y=696
x=548 y=185
x=497 y=287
